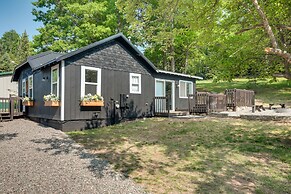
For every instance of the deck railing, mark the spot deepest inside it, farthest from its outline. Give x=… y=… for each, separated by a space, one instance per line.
x=236 y=98
x=162 y=106
x=10 y=107
x=205 y=102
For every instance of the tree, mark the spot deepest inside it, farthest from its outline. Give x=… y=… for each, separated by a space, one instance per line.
x=71 y=24
x=275 y=46
x=5 y=63
x=167 y=29
x=9 y=42
x=23 y=47
x=13 y=49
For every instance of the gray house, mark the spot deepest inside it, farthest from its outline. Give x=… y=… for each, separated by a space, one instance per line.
x=112 y=68
x=7 y=87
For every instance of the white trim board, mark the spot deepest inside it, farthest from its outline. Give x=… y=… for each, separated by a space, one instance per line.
x=98 y=90
x=63 y=78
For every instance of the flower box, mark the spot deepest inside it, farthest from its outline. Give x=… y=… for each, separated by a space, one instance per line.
x=28 y=103
x=92 y=103
x=51 y=103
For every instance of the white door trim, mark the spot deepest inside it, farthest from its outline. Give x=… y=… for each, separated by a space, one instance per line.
x=173 y=90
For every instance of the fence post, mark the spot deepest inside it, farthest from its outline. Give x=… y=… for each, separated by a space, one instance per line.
x=11 y=108
x=253 y=102
x=168 y=105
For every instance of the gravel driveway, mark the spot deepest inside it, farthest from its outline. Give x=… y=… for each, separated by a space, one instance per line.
x=38 y=159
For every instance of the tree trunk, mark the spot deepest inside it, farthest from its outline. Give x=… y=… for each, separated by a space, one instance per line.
x=172 y=59
x=266 y=24
x=186 y=61
x=275 y=50
x=287 y=73
x=279 y=52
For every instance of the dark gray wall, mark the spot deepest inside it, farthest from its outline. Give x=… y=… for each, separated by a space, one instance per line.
x=40 y=88
x=180 y=103
x=116 y=63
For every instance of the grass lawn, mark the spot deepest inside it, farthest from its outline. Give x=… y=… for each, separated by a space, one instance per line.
x=275 y=92
x=197 y=156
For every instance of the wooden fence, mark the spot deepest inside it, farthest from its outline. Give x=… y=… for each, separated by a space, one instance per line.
x=10 y=107
x=204 y=102
x=236 y=98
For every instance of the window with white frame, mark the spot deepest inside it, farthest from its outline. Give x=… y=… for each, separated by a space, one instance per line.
x=135 y=83
x=90 y=81
x=27 y=87
x=30 y=86
x=24 y=87
x=55 y=80
x=186 y=88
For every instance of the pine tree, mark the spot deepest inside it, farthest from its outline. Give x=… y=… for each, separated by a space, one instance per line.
x=23 y=48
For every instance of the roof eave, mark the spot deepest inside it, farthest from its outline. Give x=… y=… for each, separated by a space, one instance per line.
x=180 y=74
x=16 y=69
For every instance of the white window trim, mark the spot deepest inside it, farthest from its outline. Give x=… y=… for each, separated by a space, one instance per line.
x=98 y=84
x=130 y=83
x=58 y=80
x=23 y=85
x=185 y=88
x=31 y=95
x=164 y=92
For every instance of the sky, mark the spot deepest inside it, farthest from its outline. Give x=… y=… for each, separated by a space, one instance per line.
x=16 y=14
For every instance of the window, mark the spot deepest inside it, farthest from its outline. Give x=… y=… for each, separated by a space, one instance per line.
x=30 y=86
x=55 y=80
x=23 y=87
x=27 y=87
x=135 y=83
x=186 y=88
x=90 y=81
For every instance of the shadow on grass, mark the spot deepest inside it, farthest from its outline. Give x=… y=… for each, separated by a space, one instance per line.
x=184 y=139
x=60 y=146
x=7 y=136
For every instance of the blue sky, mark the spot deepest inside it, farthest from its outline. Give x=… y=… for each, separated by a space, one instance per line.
x=16 y=14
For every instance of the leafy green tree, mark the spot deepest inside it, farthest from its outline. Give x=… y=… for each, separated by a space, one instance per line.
x=71 y=24
x=171 y=31
x=5 y=63
x=13 y=49
x=9 y=42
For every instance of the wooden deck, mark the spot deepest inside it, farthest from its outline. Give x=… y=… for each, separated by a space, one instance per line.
x=10 y=108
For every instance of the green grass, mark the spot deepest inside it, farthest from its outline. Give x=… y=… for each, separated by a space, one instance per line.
x=197 y=156
x=266 y=91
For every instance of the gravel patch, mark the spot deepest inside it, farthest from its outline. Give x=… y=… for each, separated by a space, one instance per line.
x=282 y=112
x=39 y=159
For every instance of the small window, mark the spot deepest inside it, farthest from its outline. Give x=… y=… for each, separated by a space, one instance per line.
x=23 y=87
x=30 y=86
x=55 y=80
x=90 y=81
x=186 y=88
x=135 y=83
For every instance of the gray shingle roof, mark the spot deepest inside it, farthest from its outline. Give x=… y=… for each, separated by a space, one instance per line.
x=37 y=61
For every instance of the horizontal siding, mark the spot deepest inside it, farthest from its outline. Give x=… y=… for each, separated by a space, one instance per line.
x=7 y=87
